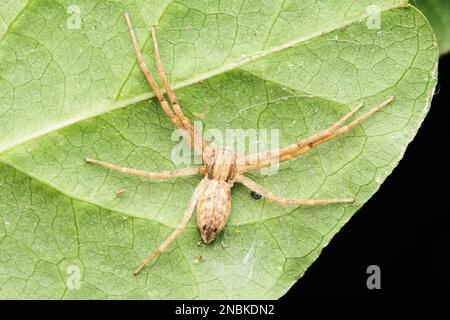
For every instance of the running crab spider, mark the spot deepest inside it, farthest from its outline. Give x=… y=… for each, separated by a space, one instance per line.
x=222 y=167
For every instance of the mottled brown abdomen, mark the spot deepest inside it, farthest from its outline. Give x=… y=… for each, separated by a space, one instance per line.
x=213 y=208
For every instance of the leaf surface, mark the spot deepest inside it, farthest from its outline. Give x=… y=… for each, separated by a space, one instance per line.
x=293 y=65
x=438 y=13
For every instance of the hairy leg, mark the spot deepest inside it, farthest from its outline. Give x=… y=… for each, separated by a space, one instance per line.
x=198 y=140
x=186 y=217
x=182 y=172
x=151 y=81
x=265 y=159
x=252 y=185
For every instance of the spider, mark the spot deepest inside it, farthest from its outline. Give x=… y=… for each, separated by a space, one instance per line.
x=222 y=167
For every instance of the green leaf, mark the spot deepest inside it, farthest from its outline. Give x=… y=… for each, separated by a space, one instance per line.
x=293 y=65
x=438 y=13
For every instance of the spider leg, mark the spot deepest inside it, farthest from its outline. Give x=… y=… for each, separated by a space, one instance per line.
x=252 y=185
x=265 y=159
x=181 y=172
x=172 y=98
x=186 y=217
x=151 y=81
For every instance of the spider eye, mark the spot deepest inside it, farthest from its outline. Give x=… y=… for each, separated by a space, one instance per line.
x=255 y=195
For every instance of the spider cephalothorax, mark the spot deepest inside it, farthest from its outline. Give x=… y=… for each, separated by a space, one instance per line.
x=221 y=166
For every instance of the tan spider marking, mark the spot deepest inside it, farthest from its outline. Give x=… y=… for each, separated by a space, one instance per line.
x=221 y=166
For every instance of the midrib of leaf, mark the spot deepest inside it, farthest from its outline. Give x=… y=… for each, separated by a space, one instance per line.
x=202 y=77
x=154 y=219
x=14 y=20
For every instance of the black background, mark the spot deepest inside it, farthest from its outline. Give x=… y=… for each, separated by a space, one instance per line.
x=403 y=229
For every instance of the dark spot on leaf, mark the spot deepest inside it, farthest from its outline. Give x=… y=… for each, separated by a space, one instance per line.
x=255 y=195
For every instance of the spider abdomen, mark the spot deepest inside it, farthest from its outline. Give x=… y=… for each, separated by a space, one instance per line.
x=213 y=208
